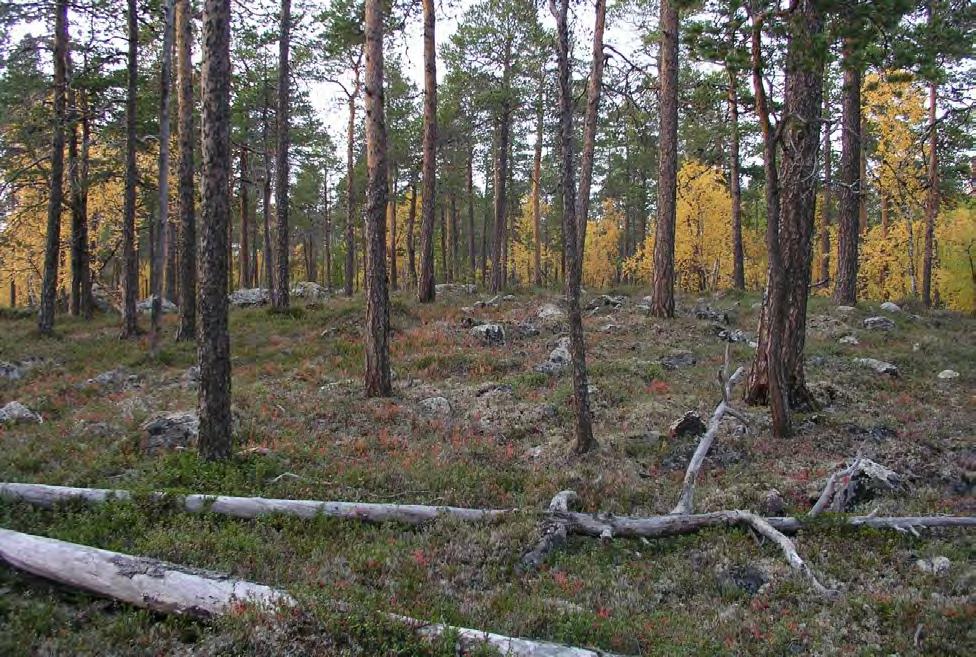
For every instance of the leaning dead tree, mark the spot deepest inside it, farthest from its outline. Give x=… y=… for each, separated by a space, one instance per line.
x=173 y=589
x=725 y=383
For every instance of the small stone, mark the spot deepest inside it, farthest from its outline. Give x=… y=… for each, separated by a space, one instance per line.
x=309 y=290
x=10 y=372
x=610 y=328
x=879 y=366
x=935 y=565
x=489 y=334
x=245 y=298
x=690 y=424
x=550 y=312
x=890 y=307
x=457 y=288
x=678 y=359
x=15 y=413
x=846 y=310
x=559 y=359
x=849 y=339
x=166 y=306
x=772 y=503
x=436 y=407
x=170 y=431
x=948 y=374
x=878 y=324
x=117 y=379
x=191 y=377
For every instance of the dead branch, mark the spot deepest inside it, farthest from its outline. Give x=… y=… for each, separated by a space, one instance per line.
x=174 y=589
x=726 y=383
x=553 y=532
x=848 y=479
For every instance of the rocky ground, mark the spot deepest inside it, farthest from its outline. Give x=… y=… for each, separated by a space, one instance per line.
x=481 y=417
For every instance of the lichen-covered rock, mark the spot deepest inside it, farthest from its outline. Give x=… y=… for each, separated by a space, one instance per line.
x=309 y=291
x=879 y=324
x=10 y=372
x=166 y=306
x=245 y=298
x=849 y=340
x=550 y=312
x=890 y=307
x=435 y=407
x=935 y=565
x=879 y=366
x=678 y=359
x=16 y=413
x=169 y=431
x=559 y=359
x=845 y=310
x=689 y=424
x=117 y=379
x=456 y=288
x=489 y=334
x=103 y=299
x=948 y=374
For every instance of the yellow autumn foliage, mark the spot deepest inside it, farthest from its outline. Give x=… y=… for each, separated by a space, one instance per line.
x=602 y=252
x=956 y=276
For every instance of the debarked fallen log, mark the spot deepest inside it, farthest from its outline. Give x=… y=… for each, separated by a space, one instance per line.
x=598 y=525
x=174 y=589
x=252 y=507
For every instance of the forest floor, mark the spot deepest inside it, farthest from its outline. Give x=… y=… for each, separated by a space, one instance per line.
x=503 y=442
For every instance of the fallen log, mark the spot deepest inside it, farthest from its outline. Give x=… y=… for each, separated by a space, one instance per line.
x=597 y=525
x=148 y=583
x=725 y=383
x=174 y=589
x=252 y=507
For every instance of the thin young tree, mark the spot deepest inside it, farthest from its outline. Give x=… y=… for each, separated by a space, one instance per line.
x=583 y=422
x=161 y=218
x=425 y=286
x=52 y=246
x=377 y=347
x=662 y=295
x=279 y=293
x=187 y=195
x=593 y=90
x=213 y=342
x=78 y=168
x=130 y=262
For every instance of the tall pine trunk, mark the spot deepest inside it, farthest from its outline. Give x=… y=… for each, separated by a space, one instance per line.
x=501 y=175
x=470 y=194
x=350 y=269
x=537 y=188
x=377 y=347
x=213 y=344
x=932 y=199
x=662 y=296
x=244 y=275
x=187 y=195
x=81 y=302
x=411 y=220
x=426 y=291
x=52 y=245
x=583 y=424
x=823 y=277
x=279 y=293
x=391 y=204
x=161 y=218
x=735 y=188
x=130 y=263
x=327 y=232
x=849 y=200
x=268 y=255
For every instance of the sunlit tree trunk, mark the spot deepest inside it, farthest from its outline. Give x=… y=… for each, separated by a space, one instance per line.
x=425 y=287
x=377 y=347
x=849 y=194
x=932 y=199
x=662 y=295
x=735 y=189
x=411 y=241
x=187 y=196
x=213 y=344
x=537 y=187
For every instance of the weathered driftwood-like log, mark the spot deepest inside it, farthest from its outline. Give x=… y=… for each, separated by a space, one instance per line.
x=598 y=525
x=473 y=639
x=761 y=526
x=173 y=589
x=253 y=507
x=148 y=583
x=553 y=532
x=725 y=383
x=842 y=486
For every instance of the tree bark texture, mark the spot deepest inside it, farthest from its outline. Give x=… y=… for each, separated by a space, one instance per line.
x=130 y=262
x=161 y=217
x=187 y=195
x=213 y=343
x=593 y=90
x=849 y=193
x=735 y=188
x=662 y=294
x=377 y=347
x=426 y=291
x=279 y=293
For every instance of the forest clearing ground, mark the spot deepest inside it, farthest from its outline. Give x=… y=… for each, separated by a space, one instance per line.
x=504 y=443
